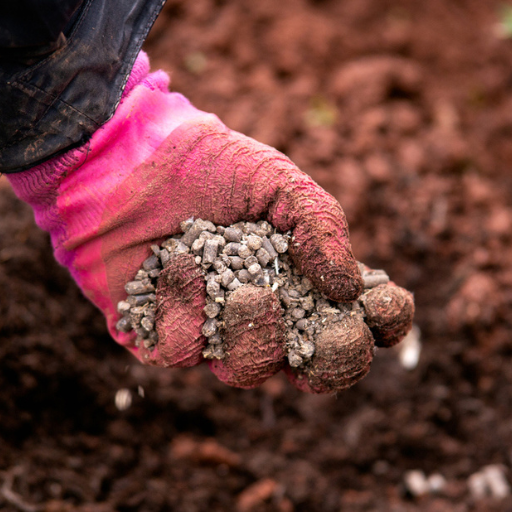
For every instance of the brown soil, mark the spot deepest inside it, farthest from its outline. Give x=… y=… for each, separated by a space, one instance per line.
x=401 y=109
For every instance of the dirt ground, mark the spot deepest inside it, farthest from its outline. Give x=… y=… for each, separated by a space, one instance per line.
x=403 y=110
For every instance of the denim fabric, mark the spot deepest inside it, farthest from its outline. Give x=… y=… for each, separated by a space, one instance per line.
x=57 y=103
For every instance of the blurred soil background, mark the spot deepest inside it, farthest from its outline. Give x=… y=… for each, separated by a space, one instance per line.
x=402 y=110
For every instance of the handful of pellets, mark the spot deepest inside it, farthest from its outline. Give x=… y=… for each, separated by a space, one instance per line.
x=255 y=254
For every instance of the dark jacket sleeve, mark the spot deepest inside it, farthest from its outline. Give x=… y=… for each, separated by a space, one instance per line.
x=56 y=93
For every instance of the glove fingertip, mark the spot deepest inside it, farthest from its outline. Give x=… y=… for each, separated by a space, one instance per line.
x=338 y=277
x=343 y=355
x=180 y=299
x=389 y=313
x=254 y=342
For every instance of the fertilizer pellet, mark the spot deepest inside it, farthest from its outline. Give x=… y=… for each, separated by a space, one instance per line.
x=139 y=287
x=231 y=257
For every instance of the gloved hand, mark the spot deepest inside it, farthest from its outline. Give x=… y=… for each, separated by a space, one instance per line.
x=157 y=162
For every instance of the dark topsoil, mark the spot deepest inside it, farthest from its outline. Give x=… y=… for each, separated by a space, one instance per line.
x=402 y=110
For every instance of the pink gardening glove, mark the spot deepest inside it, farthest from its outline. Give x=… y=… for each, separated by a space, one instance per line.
x=160 y=161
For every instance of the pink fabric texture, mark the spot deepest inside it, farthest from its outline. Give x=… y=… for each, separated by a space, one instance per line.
x=68 y=193
x=157 y=162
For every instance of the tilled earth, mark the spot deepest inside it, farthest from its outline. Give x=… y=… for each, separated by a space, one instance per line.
x=403 y=111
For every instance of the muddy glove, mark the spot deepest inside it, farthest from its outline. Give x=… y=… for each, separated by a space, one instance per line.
x=157 y=162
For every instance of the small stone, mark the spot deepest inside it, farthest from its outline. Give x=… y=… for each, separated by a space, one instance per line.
x=436 y=482
x=124 y=324
x=156 y=250
x=236 y=262
x=497 y=481
x=212 y=310
x=489 y=481
x=221 y=230
x=263 y=257
x=279 y=242
x=409 y=351
x=123 y=400
x=416 y=482
x=267 y=245
x=151 y=263
x=209 y=327
x=477 y=484
x=233 y=235
x=234 y=285
x=138 y=287
x=254 y=242
x=244 y=251
x=198 y=260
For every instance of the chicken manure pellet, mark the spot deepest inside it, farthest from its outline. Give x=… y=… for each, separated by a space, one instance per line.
x=232 y=257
